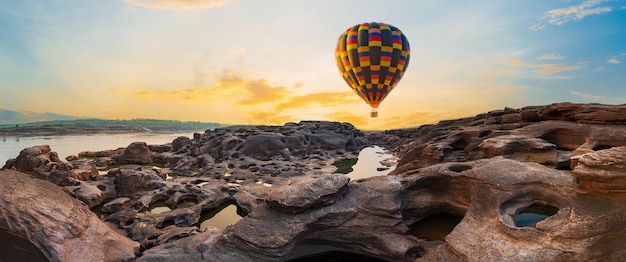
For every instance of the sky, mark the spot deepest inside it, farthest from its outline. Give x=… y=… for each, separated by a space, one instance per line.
x=272 y=61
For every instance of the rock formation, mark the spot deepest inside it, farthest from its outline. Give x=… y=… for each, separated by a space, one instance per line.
x=540 y=183
x=63 y=228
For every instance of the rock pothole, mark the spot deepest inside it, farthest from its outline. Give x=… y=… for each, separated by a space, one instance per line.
x=435 y=227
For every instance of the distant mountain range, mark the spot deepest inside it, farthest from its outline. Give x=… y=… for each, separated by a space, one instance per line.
x=10 y=117
x=13 y=120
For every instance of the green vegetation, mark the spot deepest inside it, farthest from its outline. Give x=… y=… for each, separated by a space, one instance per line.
x=152 y=124
x=345 y=166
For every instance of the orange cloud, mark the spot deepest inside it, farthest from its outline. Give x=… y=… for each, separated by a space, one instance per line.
x=268 y=117
x=229 y=87
x=324 y=99
x=548 y=69
x=345 y=116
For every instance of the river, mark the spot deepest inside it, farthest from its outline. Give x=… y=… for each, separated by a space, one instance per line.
x=66 y=145
x=368 y=163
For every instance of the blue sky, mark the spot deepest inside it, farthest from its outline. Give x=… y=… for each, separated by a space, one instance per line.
x=272 y=61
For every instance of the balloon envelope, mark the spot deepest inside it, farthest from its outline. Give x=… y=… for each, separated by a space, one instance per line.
x=372 y=58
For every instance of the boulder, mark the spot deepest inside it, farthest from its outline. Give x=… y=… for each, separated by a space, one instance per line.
x=602 y=171
x=135 y=153
x=307 y=192
x=133 y=179
x=60 y=226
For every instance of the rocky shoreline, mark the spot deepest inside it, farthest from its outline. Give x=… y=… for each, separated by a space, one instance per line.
x=561 y=166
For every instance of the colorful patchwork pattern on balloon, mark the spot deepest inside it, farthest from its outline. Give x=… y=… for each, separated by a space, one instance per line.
x=372 y=58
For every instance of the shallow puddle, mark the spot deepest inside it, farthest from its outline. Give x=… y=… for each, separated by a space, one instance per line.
x=159 y=207
x=368 y=164
x=222 y=216
x=530 y=216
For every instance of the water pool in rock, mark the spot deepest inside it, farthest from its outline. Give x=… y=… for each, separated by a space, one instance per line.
x=368 y=164
x=530 y=216
x=222 y=216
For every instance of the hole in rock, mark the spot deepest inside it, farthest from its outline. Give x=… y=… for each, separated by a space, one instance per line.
x=222 y=216
x=435 y=227
x=96 y=210
x=530 y=216
x=15 y=248
x=102 y=187
x=601 y=147
x=159 y=207
x=166 y=223
x=416 y=252
x=565 y=139
x=459 y=167
x=566 y=165
x=336 y=256
x=485 y=133
x=461 y=143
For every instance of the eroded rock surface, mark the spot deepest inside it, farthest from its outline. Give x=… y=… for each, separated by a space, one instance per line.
x=541 y=183
x=62 y=227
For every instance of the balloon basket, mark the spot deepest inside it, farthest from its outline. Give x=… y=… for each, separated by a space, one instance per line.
x=374 y=113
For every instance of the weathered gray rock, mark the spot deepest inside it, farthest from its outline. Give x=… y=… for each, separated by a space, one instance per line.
x=307 y=192
x=520 y=148
x=135 y=153
x=463 y=191
x=60 y=226
x=132 y=179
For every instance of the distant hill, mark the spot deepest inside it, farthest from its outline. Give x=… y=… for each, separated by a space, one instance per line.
x=149 y=124
x=10 y=117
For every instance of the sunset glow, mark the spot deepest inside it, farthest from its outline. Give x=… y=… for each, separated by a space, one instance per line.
x=271 y=62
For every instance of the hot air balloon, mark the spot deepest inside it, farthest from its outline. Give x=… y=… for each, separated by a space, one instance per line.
x=372 y=58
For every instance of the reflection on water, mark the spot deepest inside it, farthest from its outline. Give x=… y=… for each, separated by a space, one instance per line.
x=221 y=216
x=10 y=146
x=530 y=216
x=368 y=163
x=159 y=207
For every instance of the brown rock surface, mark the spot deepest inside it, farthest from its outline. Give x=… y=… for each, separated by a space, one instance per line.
x=61 y=227
x=307 y=192
x=541 y=183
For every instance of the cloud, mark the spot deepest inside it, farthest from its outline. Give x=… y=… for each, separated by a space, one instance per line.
x=537 y=27
x=613 y=61
x=587 y=96
x=561 y=16
x=261 y=117
x=229 y=87
x=323 y=100
x=346 y=116
x=514 y=62
x=178 y=4
x=548 y=69
x=551 y=57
